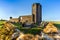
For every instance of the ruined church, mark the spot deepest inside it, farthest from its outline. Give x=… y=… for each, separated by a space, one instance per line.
x=36 y=16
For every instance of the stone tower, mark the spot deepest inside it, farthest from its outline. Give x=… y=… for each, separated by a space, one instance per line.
x=37 y=13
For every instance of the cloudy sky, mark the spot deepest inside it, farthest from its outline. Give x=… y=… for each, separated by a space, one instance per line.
x=16 y=8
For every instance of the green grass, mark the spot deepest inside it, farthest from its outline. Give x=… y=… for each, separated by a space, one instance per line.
x=1 y=23
x=31 y=30
x=58 y=26
x=18 y=25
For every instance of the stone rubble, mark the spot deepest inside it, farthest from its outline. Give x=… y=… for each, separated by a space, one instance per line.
x=50 y=28
x=10 y=32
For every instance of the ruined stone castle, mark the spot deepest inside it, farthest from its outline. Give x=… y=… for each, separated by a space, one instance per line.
x=36 y=16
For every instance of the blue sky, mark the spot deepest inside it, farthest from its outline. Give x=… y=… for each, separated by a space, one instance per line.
x=16 y=8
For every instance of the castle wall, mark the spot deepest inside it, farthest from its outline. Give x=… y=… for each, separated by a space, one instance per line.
x=26 y=18
x=14 y=20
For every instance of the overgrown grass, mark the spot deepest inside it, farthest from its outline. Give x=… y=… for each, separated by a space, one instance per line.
x=31 y=30
x=18 y=25
x=1 y=23
x=58 y=26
